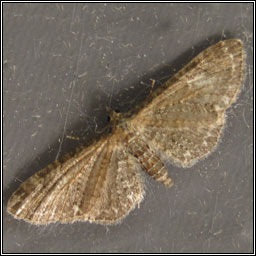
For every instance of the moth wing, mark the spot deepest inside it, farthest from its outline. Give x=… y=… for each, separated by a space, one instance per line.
x=100 y=184
x=185 y=121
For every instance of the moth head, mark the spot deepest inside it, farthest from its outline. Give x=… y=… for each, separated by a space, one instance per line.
x=114 y=116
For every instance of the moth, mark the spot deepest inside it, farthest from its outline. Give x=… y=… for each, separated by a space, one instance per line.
x=181 y=122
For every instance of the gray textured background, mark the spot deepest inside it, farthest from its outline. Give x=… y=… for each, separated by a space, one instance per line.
x=65 y=62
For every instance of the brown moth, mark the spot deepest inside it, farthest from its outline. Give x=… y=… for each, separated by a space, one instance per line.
x=181 y=122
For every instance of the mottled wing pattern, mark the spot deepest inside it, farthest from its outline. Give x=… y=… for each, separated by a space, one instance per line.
x=185 y=121
x=100 y=184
